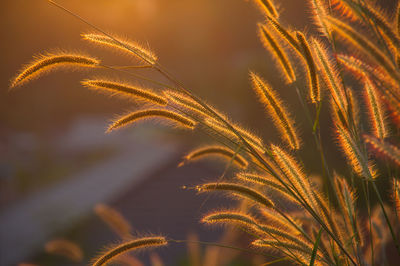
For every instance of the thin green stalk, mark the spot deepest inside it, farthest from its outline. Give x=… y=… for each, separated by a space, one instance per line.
x=316 y=122
x=317 y=138
x=315 y=248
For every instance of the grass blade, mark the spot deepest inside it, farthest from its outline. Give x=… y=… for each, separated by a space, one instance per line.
x=315 y=248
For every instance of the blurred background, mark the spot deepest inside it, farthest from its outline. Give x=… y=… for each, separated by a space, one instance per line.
x=56 y=162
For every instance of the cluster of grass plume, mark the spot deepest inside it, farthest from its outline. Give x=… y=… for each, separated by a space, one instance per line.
x=334 y=224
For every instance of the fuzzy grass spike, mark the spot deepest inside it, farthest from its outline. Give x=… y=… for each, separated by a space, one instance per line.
x=127 y=46
x=125 y=90
x=141 y=243
x=272 y=45
x=130 y=118
x=48 y=62
x=239 y=190
x=219 y=151
x=277 y=111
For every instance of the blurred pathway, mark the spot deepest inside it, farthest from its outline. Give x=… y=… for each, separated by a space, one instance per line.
x=25 y=226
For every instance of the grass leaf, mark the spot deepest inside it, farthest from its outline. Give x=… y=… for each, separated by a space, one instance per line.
x=315 y=248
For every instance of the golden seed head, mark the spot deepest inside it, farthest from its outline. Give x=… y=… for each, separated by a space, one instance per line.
x=141 y=243
x=127 y=46
x=45 y=63
x=277 y=111
x=314 y=88
x=125 y=90
x=239 y=190
x=219 y=151
x=130 y=118
x=376 y=109
x=272 y=44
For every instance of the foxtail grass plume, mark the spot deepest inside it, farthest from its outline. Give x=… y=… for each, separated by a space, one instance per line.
x=360 y=69
x=330 y=75
x=141 y=243
x=295 y=252
x=383 y=148
x=267 y=7
x=193 y=106
x=347 y=204
x=388 y=88
x=327 y=214
x=280 y=235
x=48 y=62
x=277 y=111
x=319 y=11
x=126 y=90
x=294 y=173
x=363 y=10
x=230 y=216
x=356 y=159
x=64 y=248
x=238 y=190
x=253 y=140
x=186 y=102
x=376 y=110
x=343 y=10
x=314 y=89
x=353 y=107
x=127 y=46
x=363 y=44
x=130 y=118
x=285 y=34
x=251 y=224
x=114 y=220
x=272 y=45
x=268 y=181
x=288 y=224
x=219 y=151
